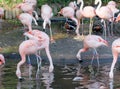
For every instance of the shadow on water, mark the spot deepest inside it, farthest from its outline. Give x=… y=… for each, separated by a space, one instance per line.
x=70 y=76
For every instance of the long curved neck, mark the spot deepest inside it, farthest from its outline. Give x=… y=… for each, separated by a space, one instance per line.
x=99 y=5
x=82 y=4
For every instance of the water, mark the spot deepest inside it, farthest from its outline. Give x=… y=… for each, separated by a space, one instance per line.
x=66 y=76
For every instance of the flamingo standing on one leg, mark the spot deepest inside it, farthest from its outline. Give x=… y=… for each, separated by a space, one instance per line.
x=46 y=14
x=115 y=52
x=91 y=41
x=104 y=13
x=2 y=59
x=84 y=11
x=26 y=19
x=31 y=46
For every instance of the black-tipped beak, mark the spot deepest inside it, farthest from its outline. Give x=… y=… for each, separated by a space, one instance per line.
x=95 y=6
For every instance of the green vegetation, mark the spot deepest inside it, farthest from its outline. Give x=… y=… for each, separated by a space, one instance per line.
x=10 y=3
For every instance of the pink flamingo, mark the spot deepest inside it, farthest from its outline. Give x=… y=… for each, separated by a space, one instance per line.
x=27 y=8
x=1 y=12
x=69 y=12
x=2 y=59
x=38 y=40
x=104 y=13
x=26 y=20
x=112 y=5
x=84 y=11
x=46 y=14
x=91 y=41
x=115 y=52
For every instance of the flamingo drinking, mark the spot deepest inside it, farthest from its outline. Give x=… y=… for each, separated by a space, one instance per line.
x=92 y=41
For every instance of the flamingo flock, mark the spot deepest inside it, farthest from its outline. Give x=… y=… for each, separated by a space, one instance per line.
x=38 y=40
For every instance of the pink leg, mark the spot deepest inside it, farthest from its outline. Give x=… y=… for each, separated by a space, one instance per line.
x=18 y=71
x=115 y=56
x=79 y=53
x=51 y=67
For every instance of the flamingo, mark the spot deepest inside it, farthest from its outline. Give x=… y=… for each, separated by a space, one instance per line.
x=68 y=12
x=104 y=13
x=26 y=20
x=2 y=59
x=84 y=11
x=27 y=8
x=112 y=5
x=92 y=41
x=46 y=14
x=1 y=12
x=115 y=52
x=31 y=46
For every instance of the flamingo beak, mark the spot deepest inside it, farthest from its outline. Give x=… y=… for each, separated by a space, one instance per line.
x=106 y=43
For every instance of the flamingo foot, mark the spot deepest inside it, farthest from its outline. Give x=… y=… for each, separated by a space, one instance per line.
x=44 y=30
x=52 y=40
x=111 y=75
x=80 y=61
x=51 y=68
x=79 y=58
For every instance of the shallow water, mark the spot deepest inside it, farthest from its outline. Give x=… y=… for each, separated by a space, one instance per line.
x=65 y=76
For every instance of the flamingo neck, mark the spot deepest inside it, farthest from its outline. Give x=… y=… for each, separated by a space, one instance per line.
x=99 y=5
x=82 y=4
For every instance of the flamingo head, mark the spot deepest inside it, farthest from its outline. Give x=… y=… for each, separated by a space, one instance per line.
x=73 y=5
x=79 y=1
x=103 y=42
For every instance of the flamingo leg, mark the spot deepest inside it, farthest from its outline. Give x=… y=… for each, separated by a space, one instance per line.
x=90 y=26
x=82 y=27
x=39 y=59
x=95 y=53
x=115 y=57
x=79 y=53
x=104 y=29
x=51 y=67
x=18 y=71
x=51 y=35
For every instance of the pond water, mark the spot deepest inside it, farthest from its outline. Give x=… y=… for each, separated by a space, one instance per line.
x=65 y=76
x=71 y=76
